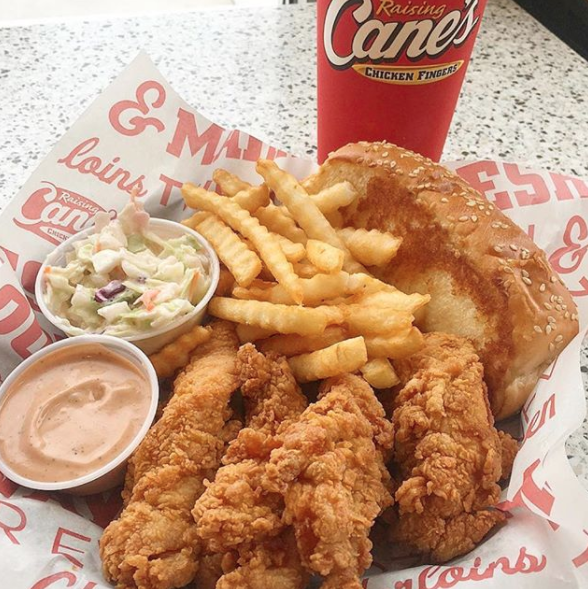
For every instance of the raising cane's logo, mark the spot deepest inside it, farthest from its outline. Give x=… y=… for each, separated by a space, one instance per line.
x=396 y=30
x=55 y=213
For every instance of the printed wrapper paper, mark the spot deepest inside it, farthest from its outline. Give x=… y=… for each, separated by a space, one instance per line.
x=140 y=134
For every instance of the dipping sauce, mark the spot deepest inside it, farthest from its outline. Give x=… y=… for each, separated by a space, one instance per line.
x=71 y=413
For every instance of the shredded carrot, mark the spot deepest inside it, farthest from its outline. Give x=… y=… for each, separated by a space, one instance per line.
x=47 y=270
x=147 y=299
x=193 y=284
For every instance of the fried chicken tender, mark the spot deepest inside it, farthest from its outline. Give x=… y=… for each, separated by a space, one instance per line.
x=330 y=470
x=447 y=450
x=235 y=513
x=153 y=544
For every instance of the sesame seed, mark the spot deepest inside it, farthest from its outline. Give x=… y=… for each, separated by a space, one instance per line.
x=471 y=203
x=507 y=269
x=537 y=328
x=474 y=218
x=491 y=207
x=385 y=154
x=463 y=218
x=525 y=273
x=575 y=317
x=495 y=225
x=481 y=207
x=551 y=346
x=542 y=287
x=551 y=319
x=567 y=315
x=444 y=199
x=548 y=329
x=513 y=247
x=552 y=298
x=527 y=280
x=497 y=248
x=559 y=307
x=488 y=213
x=558 y=339
x=553 y=279
x=547 y=306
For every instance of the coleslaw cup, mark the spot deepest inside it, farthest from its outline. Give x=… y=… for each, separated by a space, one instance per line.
x=111 y=474
x=150 y=341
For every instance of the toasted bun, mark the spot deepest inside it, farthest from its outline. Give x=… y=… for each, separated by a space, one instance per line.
x=488 y=281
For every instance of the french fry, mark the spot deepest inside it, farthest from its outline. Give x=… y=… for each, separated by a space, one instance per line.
x=316 y=290
x=294 y=252
x=176 y=355
x=372 y=248
x=304 y=210
x=277 y=318
x=251 y=333
x=229 y=183
x=395 y=299
x=240 y=220
x=379 y=373
x=324 y=256
x=305 y=270
x=278 y=220
x=244 y=194
x=294 y=345
x=243 y=263
x=395 y=346
x=226 y=283
x=345 y=356
x=370 y=320
x=335 y=219
x=334 y=197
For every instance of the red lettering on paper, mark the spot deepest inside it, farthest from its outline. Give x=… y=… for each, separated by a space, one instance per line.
x=169 y=185
x=540 y=192
x=539 y=497
x=562 y=187
x=253 y=150
x=66 y=501
x=79 y=160
x=7 y=487
x=187 y=132
x=54 y=578
x=12 y=257
x=18 y=312
x=582 y=558
x=58 y=546
x=473 y=173
x=442 y=577
x=136 y=123
x=538 y=420
x=9 y=528
x=569 y=257
x=273 y=153
x=103 y=507
x=231 y=146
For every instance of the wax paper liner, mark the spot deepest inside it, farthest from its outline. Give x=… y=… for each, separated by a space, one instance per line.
x=140 y=134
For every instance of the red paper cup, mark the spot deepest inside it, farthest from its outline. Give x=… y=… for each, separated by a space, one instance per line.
x=392 y=70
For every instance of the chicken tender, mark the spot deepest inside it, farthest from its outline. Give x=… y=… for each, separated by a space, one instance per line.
x=330 y=470
x=447 y=451
x=235 y=513
x=154 y=544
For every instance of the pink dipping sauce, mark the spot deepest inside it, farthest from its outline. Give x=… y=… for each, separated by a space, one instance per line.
x=71 y=413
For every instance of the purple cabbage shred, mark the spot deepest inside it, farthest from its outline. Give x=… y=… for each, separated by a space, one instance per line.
x=106 y=293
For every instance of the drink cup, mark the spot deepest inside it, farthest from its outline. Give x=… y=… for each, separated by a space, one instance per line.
x=392 y=70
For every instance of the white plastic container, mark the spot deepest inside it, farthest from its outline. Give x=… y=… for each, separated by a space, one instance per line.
x=153 y=340
x=112 y=474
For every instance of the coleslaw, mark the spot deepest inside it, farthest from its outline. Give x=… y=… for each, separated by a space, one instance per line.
x=125 y=280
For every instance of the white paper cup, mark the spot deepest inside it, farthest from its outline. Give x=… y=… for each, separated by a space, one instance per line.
x=153 y=340
x=112 y=474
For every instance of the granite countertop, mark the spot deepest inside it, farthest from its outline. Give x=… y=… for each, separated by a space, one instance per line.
x=523 y=99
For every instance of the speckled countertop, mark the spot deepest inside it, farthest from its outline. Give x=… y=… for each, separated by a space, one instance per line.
x=524 y=99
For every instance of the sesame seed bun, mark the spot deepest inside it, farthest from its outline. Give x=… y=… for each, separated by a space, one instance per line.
x=488 y=281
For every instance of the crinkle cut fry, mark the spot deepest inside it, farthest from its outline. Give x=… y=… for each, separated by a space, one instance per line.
x=330 y=469
x=234 y=514
x=153 y=544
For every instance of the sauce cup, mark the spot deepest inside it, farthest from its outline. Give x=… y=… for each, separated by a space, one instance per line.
x=154 y=340
x=111 y=474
